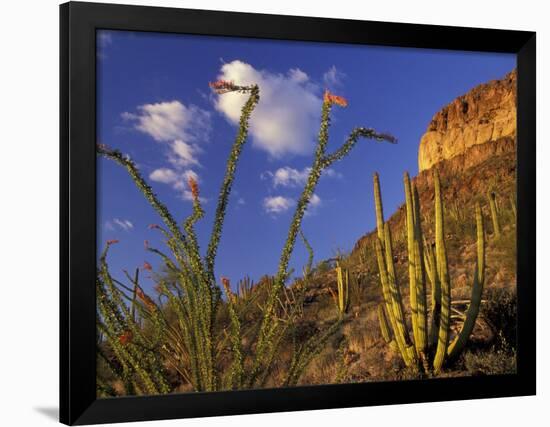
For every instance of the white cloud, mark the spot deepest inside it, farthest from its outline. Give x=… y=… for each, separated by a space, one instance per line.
x=290 y=177
x=178 y=180
x=314 y=201
x=286 y=119
x=314 y=204
x=333 y=77
x=171 y=120
x=277 y=204
x=164 y=175
x=121 y=224
x=180 y=128
x=297 y=75
x=331 y=173
x=190 y=174
x=241 y=201
x=184 y=154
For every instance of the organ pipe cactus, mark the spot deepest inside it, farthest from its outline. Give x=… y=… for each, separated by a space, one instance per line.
x=385 y=328
x=341 y=297
x=430 y=347
x=245 y=287
x=492 y=197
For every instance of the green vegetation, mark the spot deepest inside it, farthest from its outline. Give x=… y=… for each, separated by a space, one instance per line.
x=190 y=337
x=341 y=296
x=424 y=352
x=332 y=324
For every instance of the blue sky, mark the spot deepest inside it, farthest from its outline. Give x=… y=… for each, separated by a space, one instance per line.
x=155 y=105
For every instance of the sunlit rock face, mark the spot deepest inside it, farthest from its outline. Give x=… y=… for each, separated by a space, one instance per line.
x=486 y=114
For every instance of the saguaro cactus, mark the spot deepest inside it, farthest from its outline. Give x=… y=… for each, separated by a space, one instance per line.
x=424 y=261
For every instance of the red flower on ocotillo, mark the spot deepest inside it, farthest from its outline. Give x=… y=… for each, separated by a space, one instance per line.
x=126 y=338
x=330 y=98
x=194 y=186
x=223 y=86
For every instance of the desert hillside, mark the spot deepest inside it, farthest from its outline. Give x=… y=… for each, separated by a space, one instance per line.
x=471 y=142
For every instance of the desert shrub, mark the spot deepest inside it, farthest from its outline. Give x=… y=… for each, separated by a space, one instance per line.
x=493 y=362
x=322 y=267
x=506 y=245
x=500 y=312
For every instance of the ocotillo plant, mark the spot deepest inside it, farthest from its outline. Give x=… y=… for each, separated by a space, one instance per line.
x=426 y=352
x=191 y=345
x=322 y=160
x=136 y=361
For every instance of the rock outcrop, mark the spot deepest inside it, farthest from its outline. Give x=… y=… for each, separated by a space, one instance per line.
x=485 y=114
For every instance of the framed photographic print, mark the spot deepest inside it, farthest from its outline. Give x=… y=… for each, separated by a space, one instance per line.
x=268 y=213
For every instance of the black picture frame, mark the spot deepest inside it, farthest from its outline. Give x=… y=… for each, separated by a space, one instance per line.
x=78 y=25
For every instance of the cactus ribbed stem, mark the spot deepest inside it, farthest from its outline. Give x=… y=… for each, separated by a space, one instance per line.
x=397 y=301
x=411 y=234
x=424 y=261
x=494 y=214
x=390 y=288
x=378 y=207
x=477 y=289
x=435 y=304
x=399 y=338
x=443 y=273
x=384 y=326
x=342 y=279
x=420 y=274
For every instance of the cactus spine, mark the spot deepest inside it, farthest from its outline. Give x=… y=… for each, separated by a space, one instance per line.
x=423 y=261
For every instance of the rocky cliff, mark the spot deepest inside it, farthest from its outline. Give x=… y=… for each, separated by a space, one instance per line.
x=472 y=143
x=485 y=114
